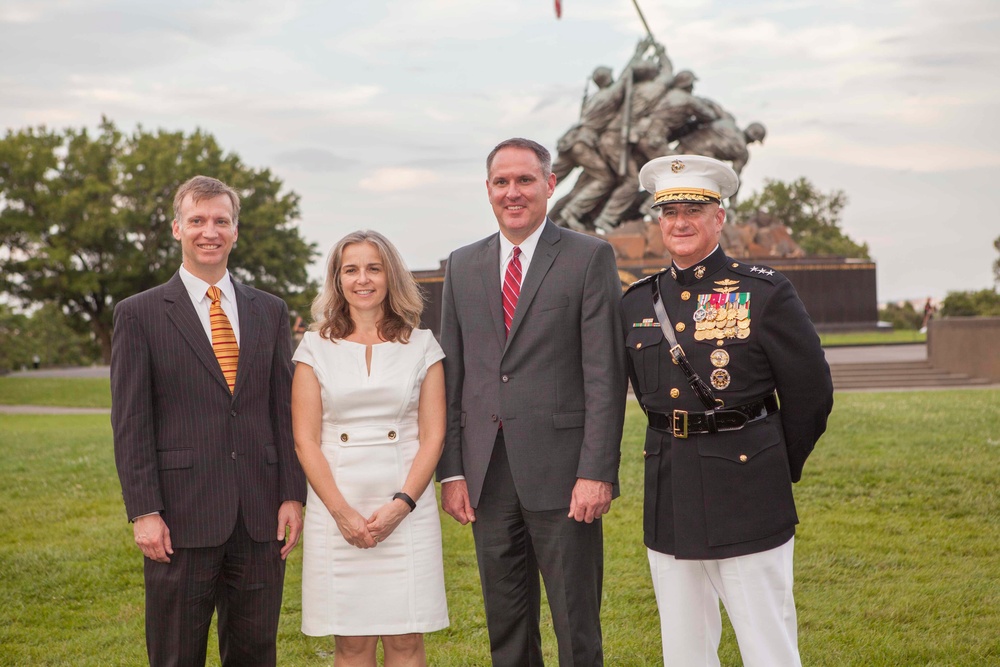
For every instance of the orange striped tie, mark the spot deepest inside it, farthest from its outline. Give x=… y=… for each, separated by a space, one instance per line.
x=227 y=351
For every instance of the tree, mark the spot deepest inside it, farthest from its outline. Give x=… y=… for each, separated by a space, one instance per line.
x=996 y=263
x=901 y=316
x=984 y=303
x=812 y=217
x=46 y=334
x=85 y=221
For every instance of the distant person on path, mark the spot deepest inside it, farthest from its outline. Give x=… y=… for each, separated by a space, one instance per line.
x=201 y=378
x=715 y=347
x=928 y=315
x=368 y=408
x=535 y=375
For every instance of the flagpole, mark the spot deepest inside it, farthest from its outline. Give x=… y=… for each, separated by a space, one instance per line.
x=643 y=19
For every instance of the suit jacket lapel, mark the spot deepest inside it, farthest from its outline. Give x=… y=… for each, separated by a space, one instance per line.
x=246 y=306
x=490 y=261
x=541 y=262
x=181 y=312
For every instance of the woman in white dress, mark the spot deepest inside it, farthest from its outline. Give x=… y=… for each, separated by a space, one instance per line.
x=368 y=412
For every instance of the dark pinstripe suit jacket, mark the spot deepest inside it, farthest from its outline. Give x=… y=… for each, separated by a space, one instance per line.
x=183 y=445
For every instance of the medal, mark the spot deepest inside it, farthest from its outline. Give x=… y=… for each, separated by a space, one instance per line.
x=720 y=378
x=743 y=333
x=702 y=312
x=719 y=358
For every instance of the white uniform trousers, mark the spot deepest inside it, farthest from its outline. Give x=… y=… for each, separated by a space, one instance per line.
x=757 y=592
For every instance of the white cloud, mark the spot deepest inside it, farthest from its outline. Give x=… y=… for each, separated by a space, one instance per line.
x=395 y=179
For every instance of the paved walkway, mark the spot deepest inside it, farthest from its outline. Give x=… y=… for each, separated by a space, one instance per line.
x=50 y=410
x=76 y=372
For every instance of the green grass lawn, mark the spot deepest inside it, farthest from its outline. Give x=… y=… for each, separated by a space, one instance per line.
x=896 y=556
x=67 y=393
x=894 y=336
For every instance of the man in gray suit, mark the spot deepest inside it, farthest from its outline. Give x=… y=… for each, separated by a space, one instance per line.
x=201 y=377
x=536 y=383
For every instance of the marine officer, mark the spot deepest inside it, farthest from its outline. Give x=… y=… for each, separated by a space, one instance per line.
x=729 y=370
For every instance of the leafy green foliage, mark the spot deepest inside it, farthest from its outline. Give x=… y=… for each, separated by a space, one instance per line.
x=46 y=333
x=984 y=303
x=901 y=316
x=813 y=217
x=996 y=263
x=85 y=221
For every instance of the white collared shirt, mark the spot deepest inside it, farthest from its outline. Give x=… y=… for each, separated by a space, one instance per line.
x=527 y=250
x=197 y=289
x=702 y=259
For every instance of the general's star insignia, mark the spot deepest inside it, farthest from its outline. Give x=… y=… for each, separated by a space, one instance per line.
x=762 y=271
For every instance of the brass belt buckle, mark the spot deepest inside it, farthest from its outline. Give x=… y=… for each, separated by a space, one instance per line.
x=680 y=417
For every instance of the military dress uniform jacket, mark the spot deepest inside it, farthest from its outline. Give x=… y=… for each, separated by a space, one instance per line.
x=725 y=494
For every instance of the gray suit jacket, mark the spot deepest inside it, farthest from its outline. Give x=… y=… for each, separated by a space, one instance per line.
x=184 y=445
x=557 y=382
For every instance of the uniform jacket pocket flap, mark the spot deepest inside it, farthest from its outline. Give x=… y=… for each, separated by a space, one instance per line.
x=568 y=419
x=642 y=337
x=271 y=454
x=175 y=459
x=653 y=443
x=739 y=446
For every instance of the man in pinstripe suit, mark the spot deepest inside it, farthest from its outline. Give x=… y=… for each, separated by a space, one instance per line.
x=207 y=463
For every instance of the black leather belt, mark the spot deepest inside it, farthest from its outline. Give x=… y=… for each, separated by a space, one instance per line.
x=682 y=423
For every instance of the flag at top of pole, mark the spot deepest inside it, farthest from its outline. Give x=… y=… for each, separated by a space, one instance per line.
x=558 y=9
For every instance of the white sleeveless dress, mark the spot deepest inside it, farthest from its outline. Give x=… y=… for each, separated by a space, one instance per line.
x=369 y=438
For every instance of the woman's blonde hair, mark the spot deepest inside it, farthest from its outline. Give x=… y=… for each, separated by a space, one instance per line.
x=403 y=303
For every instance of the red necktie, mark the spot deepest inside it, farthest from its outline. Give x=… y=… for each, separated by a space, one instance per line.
x=511 y=288
x=223 y=338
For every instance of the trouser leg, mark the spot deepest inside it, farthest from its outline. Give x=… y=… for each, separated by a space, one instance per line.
x=571 y=559
x=508 y=570
x=180 y=601
x=249 y=600
x=690 y=620
x=757 y=592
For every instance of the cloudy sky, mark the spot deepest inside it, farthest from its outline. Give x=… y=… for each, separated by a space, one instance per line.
x=380 y=113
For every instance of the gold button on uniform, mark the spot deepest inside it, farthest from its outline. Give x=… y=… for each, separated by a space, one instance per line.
x=343 y=437
x=392 y=435
x=675 y=392
x=638 y=345
x=679 y=326
x=685 y=295
x=743 y=458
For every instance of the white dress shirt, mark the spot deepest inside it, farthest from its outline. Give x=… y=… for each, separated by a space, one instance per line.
x=197 y=289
